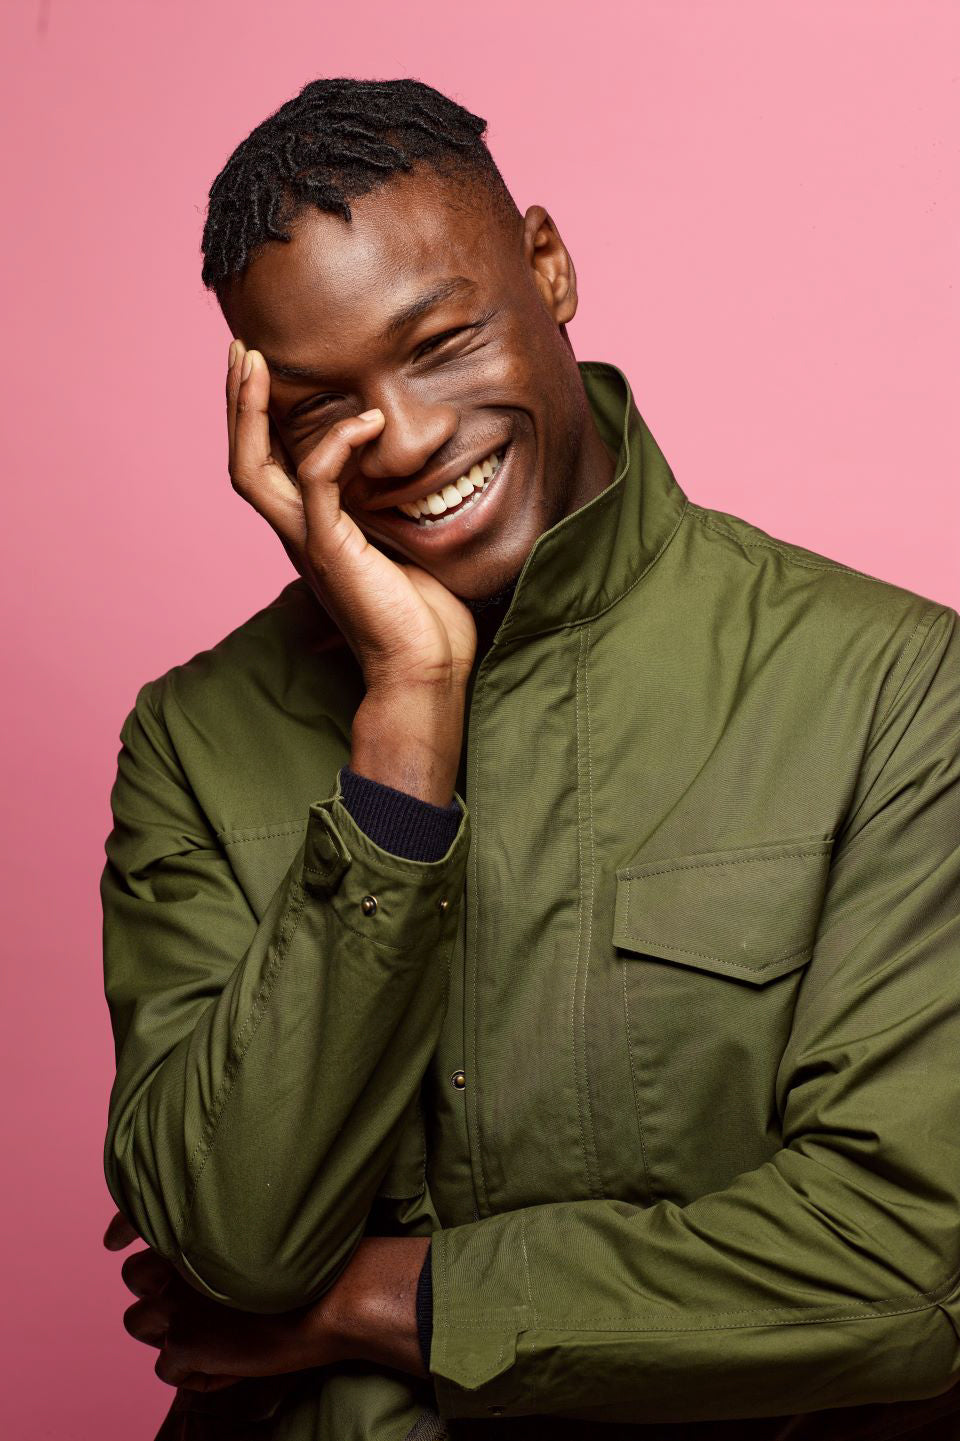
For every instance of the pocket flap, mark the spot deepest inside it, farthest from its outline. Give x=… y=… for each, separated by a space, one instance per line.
x=751 y=913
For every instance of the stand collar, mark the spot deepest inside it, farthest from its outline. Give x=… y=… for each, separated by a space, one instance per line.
x=586 y=562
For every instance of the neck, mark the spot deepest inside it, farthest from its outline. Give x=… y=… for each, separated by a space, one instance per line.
x=488 y=612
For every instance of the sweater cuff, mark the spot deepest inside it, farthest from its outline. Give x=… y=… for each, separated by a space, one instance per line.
x=398 y=822
x=425 y=1309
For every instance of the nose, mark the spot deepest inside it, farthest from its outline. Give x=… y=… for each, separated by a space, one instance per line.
x=414 y=430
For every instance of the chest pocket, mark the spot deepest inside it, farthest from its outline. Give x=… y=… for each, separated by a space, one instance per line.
x=713 y=947
x=750 y=913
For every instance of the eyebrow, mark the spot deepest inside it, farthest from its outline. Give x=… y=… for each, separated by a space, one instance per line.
x=400 y=319
x=436 y=296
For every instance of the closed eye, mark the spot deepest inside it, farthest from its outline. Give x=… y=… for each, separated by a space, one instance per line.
x=435 y=342
x=314 y=403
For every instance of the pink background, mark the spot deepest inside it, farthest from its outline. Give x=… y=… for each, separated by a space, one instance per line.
x=761 y=201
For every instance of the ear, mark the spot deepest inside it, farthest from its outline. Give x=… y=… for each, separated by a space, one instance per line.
x=550 y=261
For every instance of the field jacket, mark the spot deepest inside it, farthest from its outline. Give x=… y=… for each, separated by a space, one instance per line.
x=664 y=1052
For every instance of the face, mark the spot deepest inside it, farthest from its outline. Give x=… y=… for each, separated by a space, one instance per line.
x=448 y=315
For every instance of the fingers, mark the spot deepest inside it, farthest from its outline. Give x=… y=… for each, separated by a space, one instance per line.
x=145 y=1273
x=254 y=470
x=119 y=1234
x=148 y=1320
x=319 y=474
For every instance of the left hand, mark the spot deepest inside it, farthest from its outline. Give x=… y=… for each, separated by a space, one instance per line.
x=203 y=1345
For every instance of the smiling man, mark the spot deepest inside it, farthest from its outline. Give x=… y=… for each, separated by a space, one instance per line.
x=533 y=940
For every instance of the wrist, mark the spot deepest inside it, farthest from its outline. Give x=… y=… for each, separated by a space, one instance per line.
x=410 y=740
x=370 y=1314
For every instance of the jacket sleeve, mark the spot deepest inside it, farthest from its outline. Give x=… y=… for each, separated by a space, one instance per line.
x=829 y=1275
x=264 y=1069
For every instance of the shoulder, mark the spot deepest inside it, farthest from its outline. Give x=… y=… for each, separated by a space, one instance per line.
x=816 y=589
x=240 y=706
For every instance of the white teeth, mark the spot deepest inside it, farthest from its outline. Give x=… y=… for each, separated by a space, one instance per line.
x=454 y=494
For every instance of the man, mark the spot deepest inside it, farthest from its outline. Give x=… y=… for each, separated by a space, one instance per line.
x=533 y=940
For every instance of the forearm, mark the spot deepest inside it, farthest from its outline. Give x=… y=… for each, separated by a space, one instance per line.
x=196 y=1156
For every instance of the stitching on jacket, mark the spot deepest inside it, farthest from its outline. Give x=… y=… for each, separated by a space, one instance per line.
x=730 y=534
x=589 y=619
x=902 y=661
x=815 y=849
x=717 y=960
x=231 y=1070
x=582 y=966
x=615 y=1325
x=892 y=1306
x=633 y=1079
x=260 y=833
x=472 y=951
x=533 y=1309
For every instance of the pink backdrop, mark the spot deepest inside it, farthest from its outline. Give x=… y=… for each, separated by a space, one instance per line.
x=761 y=201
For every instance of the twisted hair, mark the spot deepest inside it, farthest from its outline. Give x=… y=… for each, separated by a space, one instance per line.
x=338 y=139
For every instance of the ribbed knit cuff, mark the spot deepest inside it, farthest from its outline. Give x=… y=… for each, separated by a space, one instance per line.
x=425 y=1309
x=398 y=822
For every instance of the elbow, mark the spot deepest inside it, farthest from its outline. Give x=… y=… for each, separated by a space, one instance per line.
x=269 y=1283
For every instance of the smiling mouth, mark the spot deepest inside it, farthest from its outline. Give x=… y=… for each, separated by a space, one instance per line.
x=458 y=496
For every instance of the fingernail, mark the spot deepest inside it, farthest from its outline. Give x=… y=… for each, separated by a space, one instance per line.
x=232 y=355
x=247 y=365
x=370 y=415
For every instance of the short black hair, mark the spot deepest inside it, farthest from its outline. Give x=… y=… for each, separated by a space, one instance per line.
x=338 y=139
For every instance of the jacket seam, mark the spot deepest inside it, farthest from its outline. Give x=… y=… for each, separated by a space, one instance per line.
x=718 y=960
x=477 y=1171
x=760 y=1318
x=788 y=555
x=260 y=833
x=902 y=661
x=669 y=870
x=631 y=1043
x=595 y=615
x=585 y=907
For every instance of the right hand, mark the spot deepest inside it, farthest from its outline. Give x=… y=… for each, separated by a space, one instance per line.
x=410 y=634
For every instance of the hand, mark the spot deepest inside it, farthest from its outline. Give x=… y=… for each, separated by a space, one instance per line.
x=203 y=1345
x=406 y=629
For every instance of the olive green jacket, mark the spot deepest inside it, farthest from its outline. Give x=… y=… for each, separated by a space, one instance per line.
x=699 y=964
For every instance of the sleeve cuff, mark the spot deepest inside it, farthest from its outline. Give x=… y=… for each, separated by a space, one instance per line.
x=402 y=824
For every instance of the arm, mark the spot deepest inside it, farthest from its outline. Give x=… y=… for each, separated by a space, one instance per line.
x=262 y=1069
x=829 y=1276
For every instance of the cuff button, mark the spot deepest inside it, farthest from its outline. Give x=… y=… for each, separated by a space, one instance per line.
x=369 y=905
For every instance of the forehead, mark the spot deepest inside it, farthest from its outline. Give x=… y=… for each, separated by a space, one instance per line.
x=347 y=278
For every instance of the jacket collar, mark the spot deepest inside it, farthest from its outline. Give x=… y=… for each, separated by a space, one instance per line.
x=586 y=562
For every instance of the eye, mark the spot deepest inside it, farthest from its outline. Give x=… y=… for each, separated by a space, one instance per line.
x=436 y=341
x=316 y=402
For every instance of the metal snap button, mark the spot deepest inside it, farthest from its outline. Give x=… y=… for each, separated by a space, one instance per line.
x=443 y=904
x=369 y=905
x=459 y=1080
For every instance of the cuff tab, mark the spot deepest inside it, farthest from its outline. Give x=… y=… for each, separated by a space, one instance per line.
x=471 y=1359
x=325 y=854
